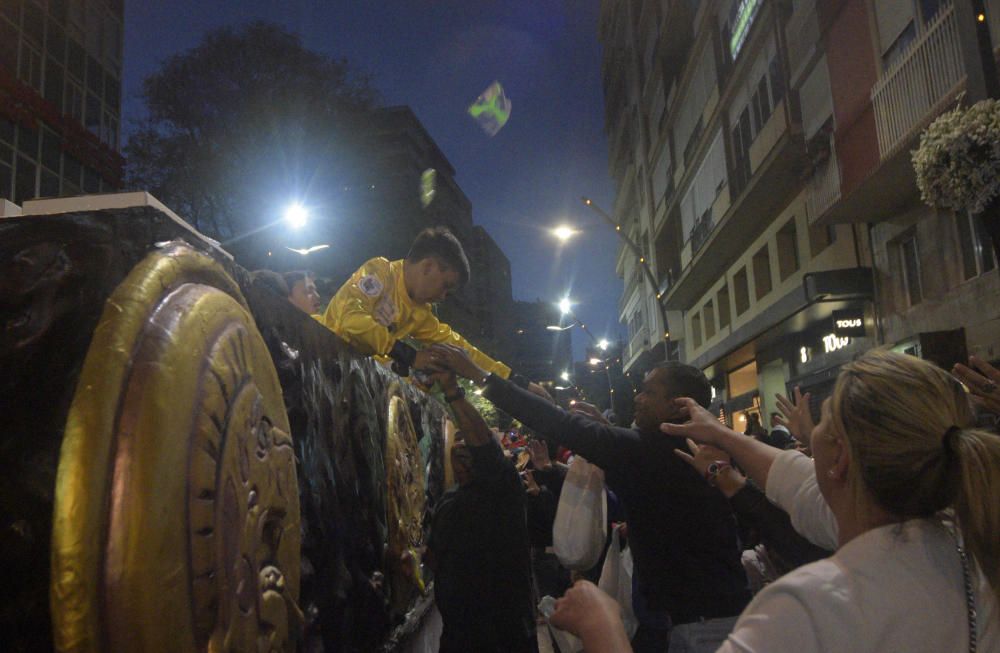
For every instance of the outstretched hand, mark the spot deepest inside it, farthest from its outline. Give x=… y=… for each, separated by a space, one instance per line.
x=702 y=426
x=982 y=380
x=701 y=456
x=589 y=410
x=539 y=453
x=796 y=415
x=455 y=359
x=589 y=613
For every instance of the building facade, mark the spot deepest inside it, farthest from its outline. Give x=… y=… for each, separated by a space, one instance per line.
x=761 y=155
x=60 y=97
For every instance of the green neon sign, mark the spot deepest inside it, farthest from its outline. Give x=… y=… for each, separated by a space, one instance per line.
x=740 y=21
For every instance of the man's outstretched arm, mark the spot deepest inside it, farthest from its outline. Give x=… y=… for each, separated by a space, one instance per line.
x=604 y=445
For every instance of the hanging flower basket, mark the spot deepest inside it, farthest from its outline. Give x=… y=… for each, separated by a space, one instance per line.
x=958 y=161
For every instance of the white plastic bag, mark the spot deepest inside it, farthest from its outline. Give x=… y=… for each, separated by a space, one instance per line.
x=567 y=642
x=579 y=530
x=616 y=580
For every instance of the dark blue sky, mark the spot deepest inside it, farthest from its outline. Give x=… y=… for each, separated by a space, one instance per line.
x=436 y=57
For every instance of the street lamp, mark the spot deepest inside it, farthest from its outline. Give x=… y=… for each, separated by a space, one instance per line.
x=563 y=232
x=296 y=215
x=634 y=248
x=564 y=376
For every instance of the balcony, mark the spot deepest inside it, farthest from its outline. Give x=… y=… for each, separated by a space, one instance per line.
x=637 y=345
x=701 y=231
x=919 y=85
x=824 y=186
x=634 y=282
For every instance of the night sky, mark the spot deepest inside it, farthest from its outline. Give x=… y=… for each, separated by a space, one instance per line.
x=436 y=57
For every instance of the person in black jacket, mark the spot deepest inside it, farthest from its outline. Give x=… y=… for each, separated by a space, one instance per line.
x=682 y=531
x=478 y=544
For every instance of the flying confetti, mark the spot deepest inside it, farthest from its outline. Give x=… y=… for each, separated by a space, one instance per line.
x=428 y=183
x=491 y=109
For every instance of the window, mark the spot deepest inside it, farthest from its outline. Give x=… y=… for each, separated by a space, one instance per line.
x=6 y=171
x=788 y=250
x=54 y=81
x=8 y=44
x=29 y=68
x=975 y=244
x=709 y=313
x=93 y=119
x=27 y=142
x=696 y=330
x=49 y=186
x=777 y=82
x=34 y=22
x=910 y=258
x=761 y=272
x=722 y=301
x=820 y=237
x=76 y=60
x=742 y=290
x=50 y=150
x=73 y=100
x=72 y=170
x=899 y=46
x=24 y=180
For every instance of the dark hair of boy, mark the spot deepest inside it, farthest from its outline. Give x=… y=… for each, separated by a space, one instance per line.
x=440 y=243
x=271 y=280
x=688 y=381
x=295 y=276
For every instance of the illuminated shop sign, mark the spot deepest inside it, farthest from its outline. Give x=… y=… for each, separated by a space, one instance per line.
x=832 y=343
x=849 y=323
x=740 y=19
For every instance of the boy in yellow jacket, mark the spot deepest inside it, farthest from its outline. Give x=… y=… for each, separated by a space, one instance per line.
x=386 y=301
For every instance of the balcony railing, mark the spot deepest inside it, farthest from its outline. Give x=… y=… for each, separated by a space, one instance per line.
x=824 y=186
x=916 y=84
x=638 y=344
x=701 y=231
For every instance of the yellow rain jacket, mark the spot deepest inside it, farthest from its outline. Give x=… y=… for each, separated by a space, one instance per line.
x=372 y=310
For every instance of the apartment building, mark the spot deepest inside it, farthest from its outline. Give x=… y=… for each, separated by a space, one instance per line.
x=60 y=97
x=761 y=152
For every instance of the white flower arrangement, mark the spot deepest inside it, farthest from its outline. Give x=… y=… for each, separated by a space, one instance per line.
x=958 y=161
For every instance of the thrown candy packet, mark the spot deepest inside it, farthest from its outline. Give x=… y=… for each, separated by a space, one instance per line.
x=491 y=109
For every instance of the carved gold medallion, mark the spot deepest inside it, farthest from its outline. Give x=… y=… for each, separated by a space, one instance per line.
x=405 y=501
x=176 y=523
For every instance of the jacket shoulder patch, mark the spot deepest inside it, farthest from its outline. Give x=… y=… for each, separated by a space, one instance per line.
x=370 y=285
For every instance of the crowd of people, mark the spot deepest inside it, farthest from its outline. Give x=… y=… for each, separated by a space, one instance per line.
x=875 y=529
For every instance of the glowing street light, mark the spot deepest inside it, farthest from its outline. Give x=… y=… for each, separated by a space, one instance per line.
x=565 y=306
x=564 y=376
x=296 y=216
x=595 y=361
x=563 y=232
x=603 y=344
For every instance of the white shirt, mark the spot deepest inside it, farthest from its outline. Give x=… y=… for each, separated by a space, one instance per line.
x=897 y=588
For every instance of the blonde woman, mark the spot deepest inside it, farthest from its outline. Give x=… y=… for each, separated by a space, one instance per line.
x=906 y=490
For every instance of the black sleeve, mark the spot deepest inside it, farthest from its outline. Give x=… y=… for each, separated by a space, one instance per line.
x=552 y=478
x=775 y=527
x=403 y=353
x=488 y=461
x=603 y=445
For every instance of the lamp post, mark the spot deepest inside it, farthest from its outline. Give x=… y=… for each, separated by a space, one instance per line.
x=566 y=308
x=643 y=264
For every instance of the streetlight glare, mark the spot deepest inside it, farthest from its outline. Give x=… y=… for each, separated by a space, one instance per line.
x=564 y=376
x=596 y=361
x=563 y=232
x=296 y=216
x=603 y=344
x=565 y=305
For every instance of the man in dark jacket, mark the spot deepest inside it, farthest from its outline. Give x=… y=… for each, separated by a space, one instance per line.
x=682 y=532
x=478 y=545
